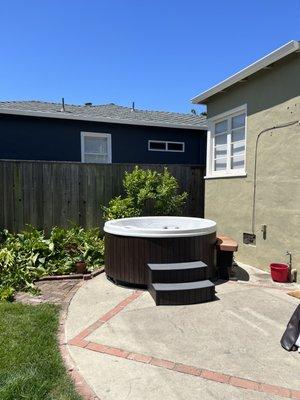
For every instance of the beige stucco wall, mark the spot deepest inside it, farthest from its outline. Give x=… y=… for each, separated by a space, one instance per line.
x=272 y=97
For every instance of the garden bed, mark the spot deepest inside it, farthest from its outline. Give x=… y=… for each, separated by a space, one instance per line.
x=30 y=256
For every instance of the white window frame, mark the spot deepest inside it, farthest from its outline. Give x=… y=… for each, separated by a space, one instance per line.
x=166 y=143
x=210 y=173
x=97 y=135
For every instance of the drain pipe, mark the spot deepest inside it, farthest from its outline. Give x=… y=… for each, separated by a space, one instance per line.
x=284 y=125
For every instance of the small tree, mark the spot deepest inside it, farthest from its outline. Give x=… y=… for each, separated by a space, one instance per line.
x=147 y=193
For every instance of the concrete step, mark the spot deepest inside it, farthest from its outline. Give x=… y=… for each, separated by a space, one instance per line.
x=182 y=293
x=177 y=272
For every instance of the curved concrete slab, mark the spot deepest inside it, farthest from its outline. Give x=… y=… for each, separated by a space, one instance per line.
x=125 y=347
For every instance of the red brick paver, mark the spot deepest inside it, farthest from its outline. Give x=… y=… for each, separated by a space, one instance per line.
x=295 y=394
x=113 y=351
x=139 y=358
x=244 y=383
x=272 y=389
x=215 y=376
x=187 y=369
x=158 y=362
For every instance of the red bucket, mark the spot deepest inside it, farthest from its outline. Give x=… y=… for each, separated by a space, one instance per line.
x=279 y=272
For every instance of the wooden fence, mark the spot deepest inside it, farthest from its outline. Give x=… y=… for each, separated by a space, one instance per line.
x=45 y=194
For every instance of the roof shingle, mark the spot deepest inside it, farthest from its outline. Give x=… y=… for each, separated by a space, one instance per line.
x=105 y=112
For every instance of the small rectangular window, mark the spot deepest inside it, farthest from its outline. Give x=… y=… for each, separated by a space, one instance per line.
x=158 y=145
x=172 y=146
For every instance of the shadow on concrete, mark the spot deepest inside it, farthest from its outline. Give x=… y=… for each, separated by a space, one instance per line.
x=240 y=274
x=236 y=273
x=219 y=281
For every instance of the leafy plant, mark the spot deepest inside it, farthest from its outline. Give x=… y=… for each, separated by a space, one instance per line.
x=29 y=255
x=147 y=193
x=121 y=208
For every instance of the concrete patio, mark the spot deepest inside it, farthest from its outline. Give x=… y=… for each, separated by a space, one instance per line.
x=127 y=348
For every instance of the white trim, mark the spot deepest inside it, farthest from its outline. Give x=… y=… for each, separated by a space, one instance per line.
x=226 y=175
x=210 y=173
x=281 y=52
x=176 y=151
x=66 y=115
x=166 y=147
x=99 y=135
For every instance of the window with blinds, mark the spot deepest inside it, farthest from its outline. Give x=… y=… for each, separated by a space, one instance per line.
x=227 y=144
x=95 y=147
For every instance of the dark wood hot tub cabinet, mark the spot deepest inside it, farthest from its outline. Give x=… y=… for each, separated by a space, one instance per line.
x=126 y=257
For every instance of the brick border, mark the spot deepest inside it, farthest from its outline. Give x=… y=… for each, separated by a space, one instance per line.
x=80 y=384
x=241 y=383
x=89 y=275
x=79 y=341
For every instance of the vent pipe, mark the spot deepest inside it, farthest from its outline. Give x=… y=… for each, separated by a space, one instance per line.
x=62 y=105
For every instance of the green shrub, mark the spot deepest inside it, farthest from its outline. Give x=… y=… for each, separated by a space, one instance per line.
x=120 y=208
x=147 y=193
x=29 y=255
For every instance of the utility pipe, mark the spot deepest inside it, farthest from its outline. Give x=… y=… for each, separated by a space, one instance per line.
x=284 y=125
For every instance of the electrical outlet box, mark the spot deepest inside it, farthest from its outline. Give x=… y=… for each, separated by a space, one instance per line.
x=264 y=231
x=249 y=238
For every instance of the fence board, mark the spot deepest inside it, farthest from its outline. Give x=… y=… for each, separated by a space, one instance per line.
x=46 y=194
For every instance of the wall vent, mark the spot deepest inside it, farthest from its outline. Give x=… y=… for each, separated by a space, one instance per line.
x=249 y=238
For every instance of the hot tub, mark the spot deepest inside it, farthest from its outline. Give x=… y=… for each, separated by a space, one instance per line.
x=132 y=243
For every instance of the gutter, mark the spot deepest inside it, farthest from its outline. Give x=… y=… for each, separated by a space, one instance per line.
x=283 y=51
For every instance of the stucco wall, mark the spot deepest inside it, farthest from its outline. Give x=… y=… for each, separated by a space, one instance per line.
x=272 y=97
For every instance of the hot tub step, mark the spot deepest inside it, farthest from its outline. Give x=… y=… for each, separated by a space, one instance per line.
x=182 y=293
x=177 y=272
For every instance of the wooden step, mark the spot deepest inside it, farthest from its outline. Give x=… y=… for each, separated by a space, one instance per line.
x=178 y=272
x=182 y=293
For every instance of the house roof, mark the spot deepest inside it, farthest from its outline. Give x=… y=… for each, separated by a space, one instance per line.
x=111 y=113
x=263 y=63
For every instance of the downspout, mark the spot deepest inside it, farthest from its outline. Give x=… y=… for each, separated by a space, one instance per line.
x=284 y=125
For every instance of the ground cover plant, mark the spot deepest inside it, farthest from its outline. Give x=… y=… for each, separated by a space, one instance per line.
x=147 y=192
x=30 y=255
x=31 y=366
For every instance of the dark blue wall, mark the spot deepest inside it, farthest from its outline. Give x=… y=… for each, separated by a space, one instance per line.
x=31 y=138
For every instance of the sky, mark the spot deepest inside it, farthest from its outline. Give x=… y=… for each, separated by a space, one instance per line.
x=157 y=53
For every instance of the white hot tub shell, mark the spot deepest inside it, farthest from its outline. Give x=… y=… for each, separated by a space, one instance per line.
x=160 y=227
